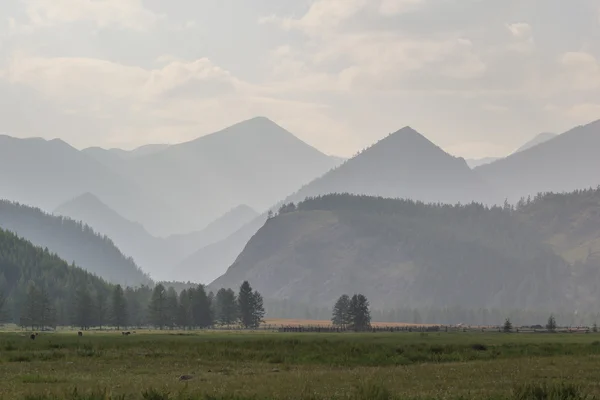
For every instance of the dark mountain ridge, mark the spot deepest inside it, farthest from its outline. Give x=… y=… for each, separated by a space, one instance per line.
x=403 y=254
x=72 y=241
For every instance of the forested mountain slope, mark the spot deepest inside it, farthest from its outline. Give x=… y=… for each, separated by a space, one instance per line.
x=24 y=267
x=405 y=254
x=72 y=241
x=565 y=163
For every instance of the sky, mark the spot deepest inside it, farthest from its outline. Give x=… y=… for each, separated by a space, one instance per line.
x=477 y=77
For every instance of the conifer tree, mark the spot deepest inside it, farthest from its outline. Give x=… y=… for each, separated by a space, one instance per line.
x=84 y=306
x=172 y=307
x=201 y=313
x=118 y=307
x=101 y=308
x=226 y=307
x=551 y=325
x=360 y=315
x=158 y=307
x=245 y=305
x=184 y=313
x=341 y=311
x=258 y=309
x=507 y=328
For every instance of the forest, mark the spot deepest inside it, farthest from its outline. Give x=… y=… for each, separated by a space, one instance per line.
x=38 y=290
x=72 y=241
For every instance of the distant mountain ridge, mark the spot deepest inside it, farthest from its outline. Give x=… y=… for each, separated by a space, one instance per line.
x=154 y=255
x=72 y=241
x=564 y=163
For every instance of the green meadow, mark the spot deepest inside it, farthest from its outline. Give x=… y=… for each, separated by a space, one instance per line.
x=239 y=365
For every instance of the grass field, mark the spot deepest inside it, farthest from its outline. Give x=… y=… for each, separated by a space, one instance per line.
x=240 y=365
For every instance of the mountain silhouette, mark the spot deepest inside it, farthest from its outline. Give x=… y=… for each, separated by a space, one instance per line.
x=565 y=163
x=154 y=255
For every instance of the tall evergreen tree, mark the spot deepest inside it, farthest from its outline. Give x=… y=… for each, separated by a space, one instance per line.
x=551 y=325
x=226 y=307
x=3 y=311
x=172 y=307
x=118 y=308
x=158 y=307
x=258 y=309
x=341 y=311
x=201 y=313
x=101 y=308
x=360 y=315
x=84 y=307
x=184 y=313
x=245 y=305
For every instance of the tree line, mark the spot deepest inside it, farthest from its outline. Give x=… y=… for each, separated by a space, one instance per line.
x=162 y=308
x=352 y=313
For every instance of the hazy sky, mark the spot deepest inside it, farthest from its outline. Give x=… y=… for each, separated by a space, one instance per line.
x=478 y=77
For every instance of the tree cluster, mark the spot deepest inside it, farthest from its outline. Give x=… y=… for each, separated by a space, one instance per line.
x=352 y=313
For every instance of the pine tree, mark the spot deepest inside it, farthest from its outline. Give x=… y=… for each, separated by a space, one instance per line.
x=360 y=315
x=246 y=305
x=507 y=328
x=30 y=314
x=118 y=307
x=84 y=307
x=3 y=311
x=201 y=313
x=158 y=307
x=226 y=307
x=101 y=308
x=172 y=307
x=184 y=313
x=551 y=325
x=341 y=311
x=258 y=309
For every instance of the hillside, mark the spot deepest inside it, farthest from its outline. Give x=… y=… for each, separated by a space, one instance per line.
x=71 y=241
x=215 y=173
x=150 y=253
x=405 y=254
x=23 y=265
x=565 y=163
x=539 y=139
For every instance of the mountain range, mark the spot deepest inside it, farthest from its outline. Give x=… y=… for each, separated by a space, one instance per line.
x=405 y=164
x=154 y=254
x=538 y=139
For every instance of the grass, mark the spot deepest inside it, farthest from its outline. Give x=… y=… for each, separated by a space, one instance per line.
x=237 y=365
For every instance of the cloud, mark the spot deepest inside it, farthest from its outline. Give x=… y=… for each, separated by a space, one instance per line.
x=121 y=14
x=580 y=71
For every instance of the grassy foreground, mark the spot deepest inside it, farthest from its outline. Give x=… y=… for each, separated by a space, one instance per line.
x=243 y=366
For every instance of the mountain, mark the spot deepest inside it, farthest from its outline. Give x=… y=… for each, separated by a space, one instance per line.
x=45 y=173
x=154 y=255
x=71 y=241
x=476 y=162
x=539 y=139
x=255 y=162
x=404 y=164
x=114 y=157
x=403 y=254
x=565 y=163
x=24 y=266
x=219 y=229
x=210 y=262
